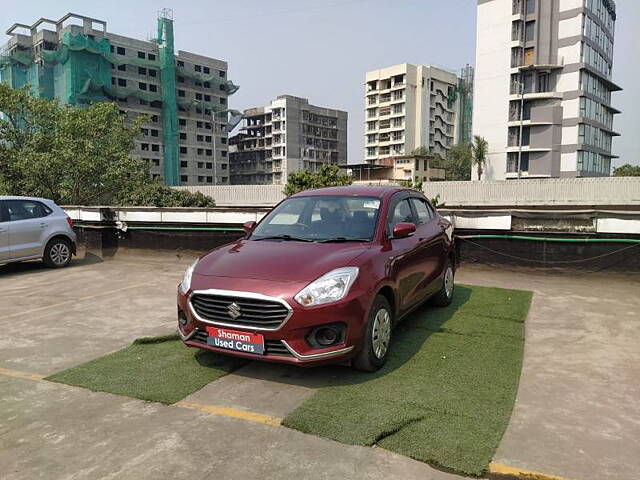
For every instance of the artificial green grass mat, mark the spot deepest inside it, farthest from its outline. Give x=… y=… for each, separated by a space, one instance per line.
x=158 y=369
x=446 y=393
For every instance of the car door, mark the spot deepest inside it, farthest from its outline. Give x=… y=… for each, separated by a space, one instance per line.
x=4 y=232
x=27 y=227
x=430 y=236
x=406 y=259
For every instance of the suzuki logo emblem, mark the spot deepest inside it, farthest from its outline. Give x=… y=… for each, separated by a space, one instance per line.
x=234 y=310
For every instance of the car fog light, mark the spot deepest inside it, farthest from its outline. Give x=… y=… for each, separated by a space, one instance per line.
x=182 y=318
x=326 y=336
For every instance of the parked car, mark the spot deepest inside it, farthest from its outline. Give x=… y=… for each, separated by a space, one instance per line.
x=322 y=278
x=35 y=228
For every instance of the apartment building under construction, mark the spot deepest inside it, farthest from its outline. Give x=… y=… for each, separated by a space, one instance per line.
x=76 y=60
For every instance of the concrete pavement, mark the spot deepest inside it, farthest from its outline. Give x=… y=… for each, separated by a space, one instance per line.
x=576 y=415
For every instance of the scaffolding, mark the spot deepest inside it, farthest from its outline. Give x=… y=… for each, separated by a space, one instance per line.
x=78 y=70
x=465 y=105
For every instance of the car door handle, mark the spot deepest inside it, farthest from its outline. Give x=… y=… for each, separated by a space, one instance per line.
x=43 y=225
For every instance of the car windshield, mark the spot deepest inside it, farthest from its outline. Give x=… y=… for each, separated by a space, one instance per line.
x=321 y=219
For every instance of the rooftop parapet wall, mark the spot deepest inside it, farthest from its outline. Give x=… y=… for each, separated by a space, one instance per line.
x=582 y=193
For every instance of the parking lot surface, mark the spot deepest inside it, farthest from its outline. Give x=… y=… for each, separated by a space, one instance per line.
x=576 y=414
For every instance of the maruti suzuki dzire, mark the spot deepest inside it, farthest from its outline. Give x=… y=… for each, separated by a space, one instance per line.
x=323 y=278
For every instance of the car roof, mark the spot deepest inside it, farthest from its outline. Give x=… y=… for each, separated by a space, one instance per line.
x=379 y=191
x=17 y=197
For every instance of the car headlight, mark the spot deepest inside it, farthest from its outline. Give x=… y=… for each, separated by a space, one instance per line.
x=186 y=280
x=330 y=287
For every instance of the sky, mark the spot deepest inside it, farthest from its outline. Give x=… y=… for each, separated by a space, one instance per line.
x=321 y=49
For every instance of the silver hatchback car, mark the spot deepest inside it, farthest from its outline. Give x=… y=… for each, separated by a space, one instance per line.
x=35 y=228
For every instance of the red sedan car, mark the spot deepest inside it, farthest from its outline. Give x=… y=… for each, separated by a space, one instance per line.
x=322 y=278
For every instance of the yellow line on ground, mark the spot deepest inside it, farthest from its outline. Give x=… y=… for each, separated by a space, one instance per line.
x=19 y=374
x=230 y=412
x=498 y=470
x=75 y=300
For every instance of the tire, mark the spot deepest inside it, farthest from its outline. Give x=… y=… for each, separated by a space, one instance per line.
x=375 y=350
x=445 y=294
x=57 y=253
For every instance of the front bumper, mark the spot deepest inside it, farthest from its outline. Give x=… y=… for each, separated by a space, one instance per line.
x=287 y=343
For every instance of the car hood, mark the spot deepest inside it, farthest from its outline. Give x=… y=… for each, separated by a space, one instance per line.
x=283 y=261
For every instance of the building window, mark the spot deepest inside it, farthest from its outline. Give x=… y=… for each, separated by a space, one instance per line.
x=153 y=88
x=224 y=166
x=141 y=55
x=183 y=150
x=209 y=152
x=512 y=162
x=207 y=98
x=151 y=56
x=531 y=6
x=181 y=93
x=180 y=63
x=223 y=140
x=143 y=102
x=155 y=148
x=197 y=68
x=209 y=179
x=222 y=74
x=206 y=70
x=207 y=85
x=122 y=68
x=224 y=152
x=201 y=151
x=142 y=71
x=183 y=136
x=198 y=96
x=121 y=51
x=223 y=101
x=183 y=164
x=154 y=132
x=182 y=122
x=199 y=138
x=142 y=85
x=180 y=79
x=152 y=72
x=529 y=32
x=144 y=146
x=184 y=178
x=209 y=165
x=208 y=138
x=201 y=179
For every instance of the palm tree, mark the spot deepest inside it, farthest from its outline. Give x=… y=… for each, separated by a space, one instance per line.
x=479 y=150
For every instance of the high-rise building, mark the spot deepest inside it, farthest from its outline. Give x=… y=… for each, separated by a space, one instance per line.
x=76 y=60
x=542 y=96
x=407 y=107
x=287 y=135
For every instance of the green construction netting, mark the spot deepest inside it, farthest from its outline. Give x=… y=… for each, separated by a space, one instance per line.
x=169 y=101
x=229 y=86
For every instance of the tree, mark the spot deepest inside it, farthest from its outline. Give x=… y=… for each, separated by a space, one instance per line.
x=458 y=162
x=627 y=170
x=75 y=155
x=326 y=176
x=479 y=150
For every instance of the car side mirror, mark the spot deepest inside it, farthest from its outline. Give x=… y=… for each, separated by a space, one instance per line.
x=403 y=229
x=248 y=227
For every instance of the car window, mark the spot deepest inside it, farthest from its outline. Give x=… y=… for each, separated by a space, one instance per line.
x=26 y=209
x=401 y=213
x=320 y=218
x=288 y=213
x=423 y=210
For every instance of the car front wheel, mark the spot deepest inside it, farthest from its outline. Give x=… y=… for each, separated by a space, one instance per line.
x=377 y=337
x=57 y=253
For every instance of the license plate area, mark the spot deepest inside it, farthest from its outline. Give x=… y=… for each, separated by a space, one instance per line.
x=235 y=340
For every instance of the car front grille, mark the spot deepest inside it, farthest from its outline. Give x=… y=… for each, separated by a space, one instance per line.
x=271 y=347
x=256 y=313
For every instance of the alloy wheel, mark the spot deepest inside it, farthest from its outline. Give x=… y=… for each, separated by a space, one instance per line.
x=381 y=333
x=60 y=253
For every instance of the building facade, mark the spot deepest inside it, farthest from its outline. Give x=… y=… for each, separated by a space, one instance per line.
x=76 y=60
x=285 y=136
x=409 y=106
x=543 y=87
